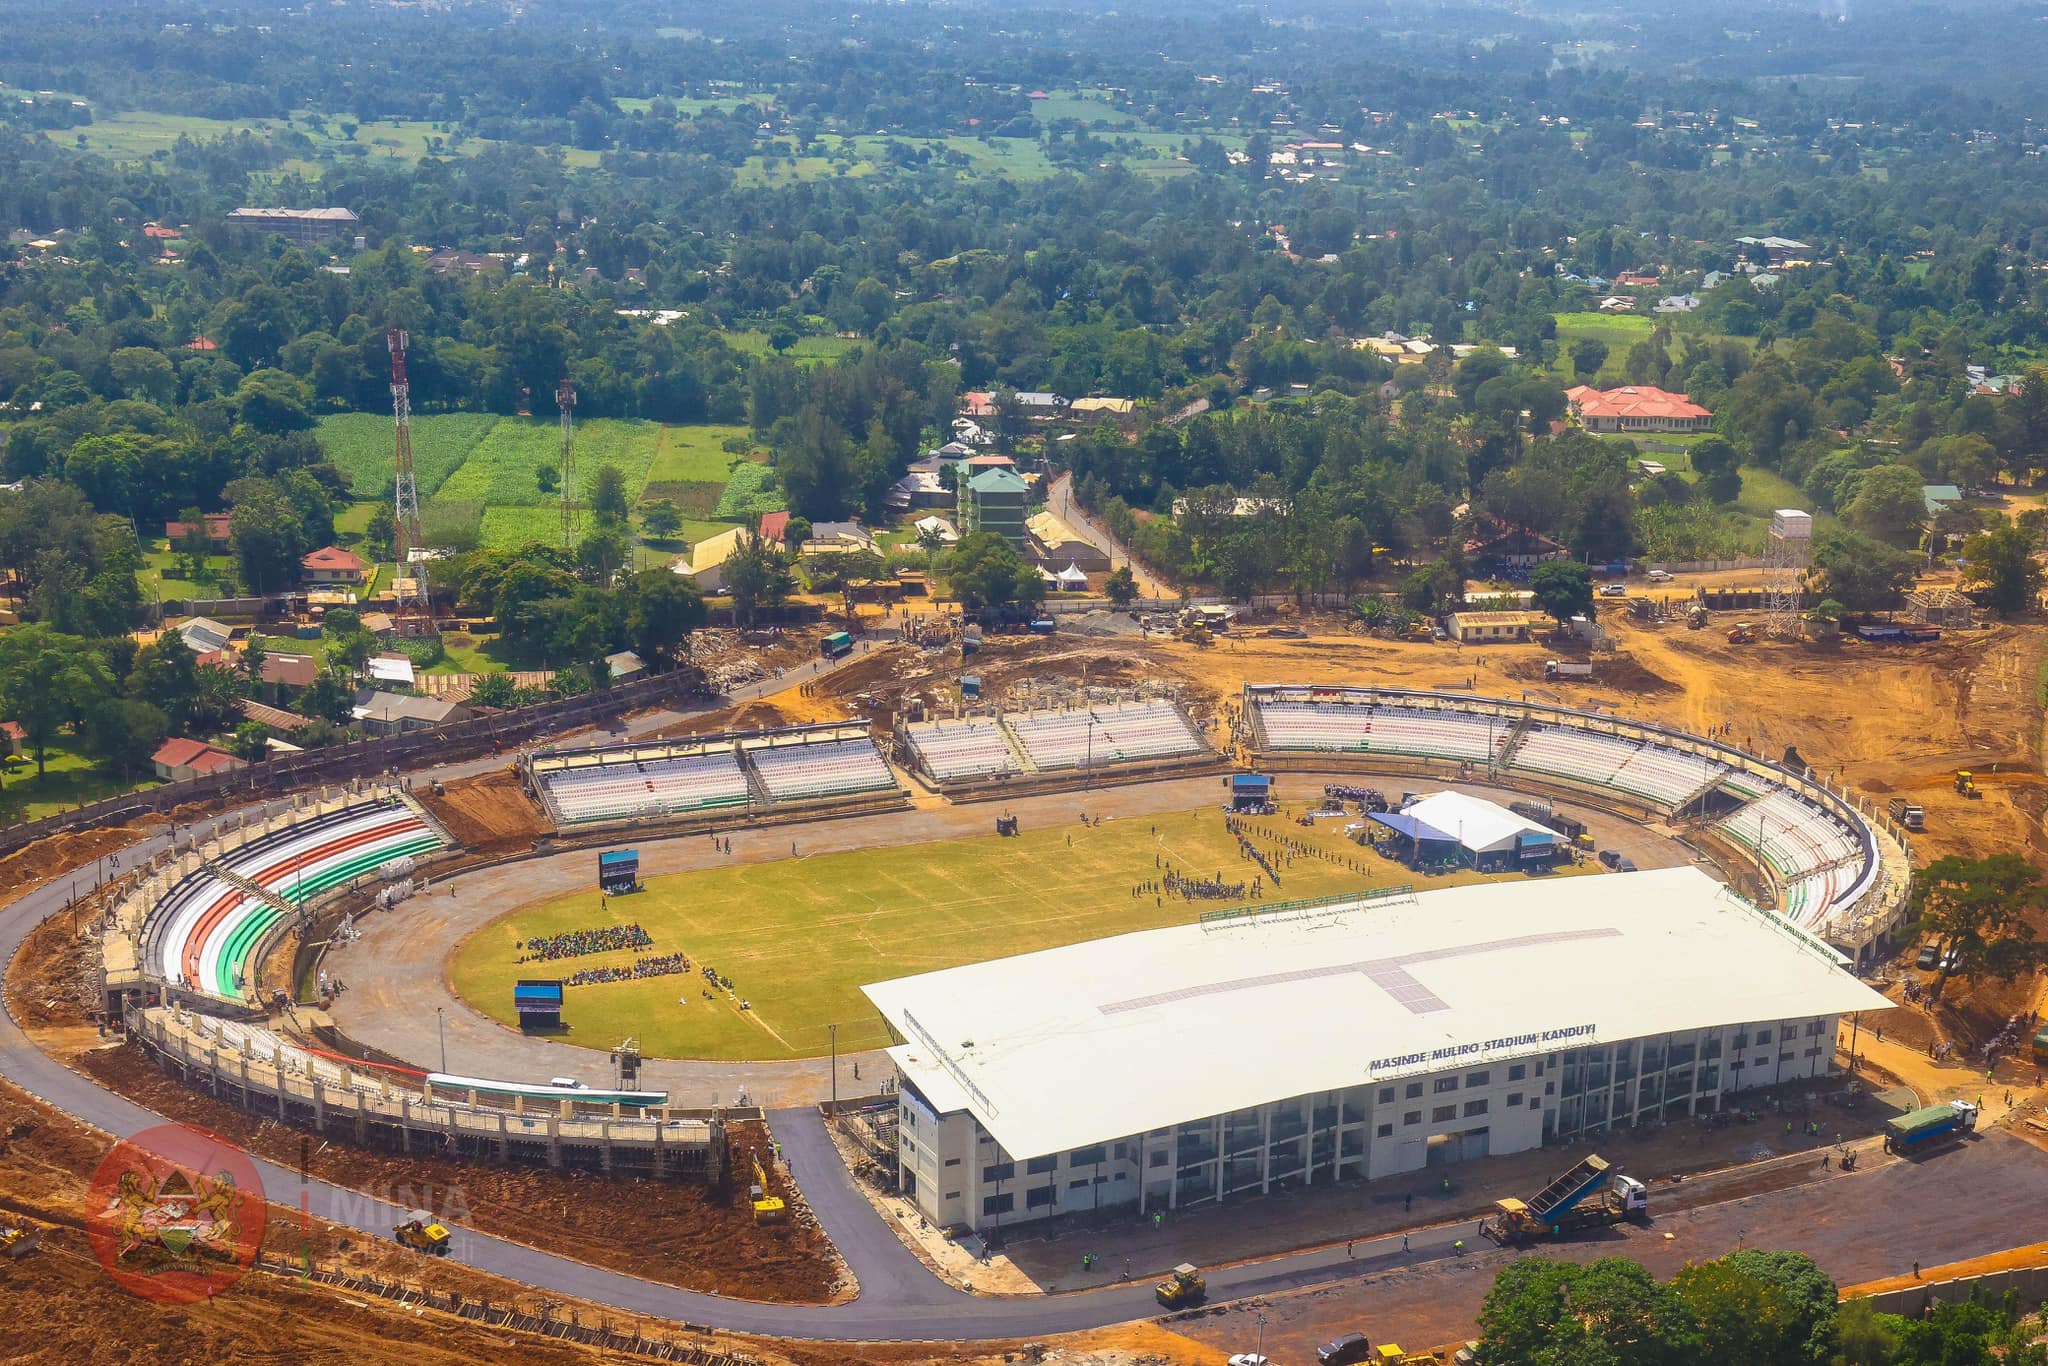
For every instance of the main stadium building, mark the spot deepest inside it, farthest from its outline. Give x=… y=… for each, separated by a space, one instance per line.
x=1346 y=1041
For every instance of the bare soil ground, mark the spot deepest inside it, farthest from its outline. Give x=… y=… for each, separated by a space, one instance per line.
x=489 y=814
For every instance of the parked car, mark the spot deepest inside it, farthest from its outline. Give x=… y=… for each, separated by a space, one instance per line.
x=1250 y=1359
x=1613 y=590
x=1344 y=1351
x=1930 y=955
x=1659 y=576
x=1610 y=857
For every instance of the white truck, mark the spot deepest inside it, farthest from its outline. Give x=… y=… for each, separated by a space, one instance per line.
x=1565 y=668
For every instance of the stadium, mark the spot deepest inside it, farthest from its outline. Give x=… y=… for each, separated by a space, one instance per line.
x=1079 y=1014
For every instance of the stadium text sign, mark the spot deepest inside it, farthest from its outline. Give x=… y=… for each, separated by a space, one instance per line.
x=1466 y=1050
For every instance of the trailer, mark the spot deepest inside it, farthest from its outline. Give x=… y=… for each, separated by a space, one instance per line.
x=1930 y=1127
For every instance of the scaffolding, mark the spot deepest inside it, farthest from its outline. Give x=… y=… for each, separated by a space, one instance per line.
x=1786 y=559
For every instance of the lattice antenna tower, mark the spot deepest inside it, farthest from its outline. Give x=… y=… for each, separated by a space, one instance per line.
x=565 y=403
x=1785 y=564
x=412 y=610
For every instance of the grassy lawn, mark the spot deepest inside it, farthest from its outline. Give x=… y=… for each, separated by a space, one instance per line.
x=139 y=135
x=481 y=654
x=697 y=454
x=160 y=573
x=70 y=779
x=798 y=937
x=1084 y=107
x=807 y=351
x=1765 y=491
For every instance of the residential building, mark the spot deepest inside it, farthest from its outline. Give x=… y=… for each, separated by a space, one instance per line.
x=1780 y=250
x=301 y=227
x=838 y=538
x=704 y=563
x=994 y=501
x=1483 y=627
x=1056 y=545
x=1635 y=408
x=216 y=524
x=385 y=713
x=332 y=564
x=177 y=760
x=626 y=666
x=285 y=676
x=204 y=635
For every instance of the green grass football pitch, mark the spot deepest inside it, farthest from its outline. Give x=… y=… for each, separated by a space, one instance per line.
x=798 y=937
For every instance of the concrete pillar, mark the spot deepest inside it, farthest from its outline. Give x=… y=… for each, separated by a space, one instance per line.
x=554 y=1141
x=1265 y=1149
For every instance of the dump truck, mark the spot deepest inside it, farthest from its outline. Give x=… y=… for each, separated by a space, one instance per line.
x=1582 y=1198
x=1565 y=668
x=1966 y=783
x=1184 y=1289
x=422 y=1232
x=1930 y=1127
x=1907 y=814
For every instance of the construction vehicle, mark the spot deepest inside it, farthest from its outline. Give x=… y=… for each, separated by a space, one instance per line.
x=1565 y=668
x=768 y=1208
x=1184 y=1289
x=422 y=1232
x=1695 y=617
x=1966 y=783
x=1196 y=633
x=1907 y=814
x=1929 y=1128
x=1582 y=1198
x=1741 y=633
x=18 y=1240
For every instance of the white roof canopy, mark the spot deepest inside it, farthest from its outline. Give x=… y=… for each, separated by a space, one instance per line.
x=1102 y=1040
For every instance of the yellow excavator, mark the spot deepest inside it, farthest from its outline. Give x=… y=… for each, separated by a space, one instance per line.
x=1184 y=1289
x=18 y=1240
x=768 y=1209
x=422 y=1232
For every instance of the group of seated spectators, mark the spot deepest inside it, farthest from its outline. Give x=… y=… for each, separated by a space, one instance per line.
x=576 y=943
x=661 y=965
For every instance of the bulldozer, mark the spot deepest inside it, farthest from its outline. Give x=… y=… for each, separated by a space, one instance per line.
x=1197 y=634
x=422 y=1232
x=1966 y=783
x=1184 y=1289
x=768 y=1209
x=18 y=1240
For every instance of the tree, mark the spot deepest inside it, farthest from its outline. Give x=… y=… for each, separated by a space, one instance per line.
x=274 y=402
x=1809 y=1293
x=1609 y=1311
x=548 y=478
x=757 y=576
x=166 y=673
x=841 y=571
x=143 y=372
x=660 y=519
x=191 y=544
x=2002 y=562
x=603 y=553
x=1863 y=574
x=795 y=532
x=1980 y=910
x=381 y=535
x=496 y=690
x=1885 y=501
x=48 y=680
x=608 y=502
x=1563 y=588
x=663 y=609
x=266 y=533
x=1719 y=466
x=251 y=741
x=985 y=570
x=1741 y=1317
x=330 y=697
x=1121 y=586
x=123 y=732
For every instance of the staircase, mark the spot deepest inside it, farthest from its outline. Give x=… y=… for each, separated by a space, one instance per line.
x=1025 y=763
x=757 y=791
x=1506 y=757
x=261 y=893
x=1699 y=792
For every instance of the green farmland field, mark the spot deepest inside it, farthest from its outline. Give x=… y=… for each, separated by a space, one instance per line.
x=798 y=937
x=360 y=445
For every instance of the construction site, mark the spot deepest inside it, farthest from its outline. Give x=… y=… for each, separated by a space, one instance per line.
x=1947 y=726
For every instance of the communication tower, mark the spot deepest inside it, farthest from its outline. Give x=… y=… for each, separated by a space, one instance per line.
x=565 y=403
x=1785 y=563
x=412 y=610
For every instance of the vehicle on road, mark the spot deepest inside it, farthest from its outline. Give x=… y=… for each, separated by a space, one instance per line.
x=1930 y=1127
x=1590 y=1195
x=1613 y=590
x=1344 y=1351
x=422 y=1232
x=1184 y=1289
x=568 y=1083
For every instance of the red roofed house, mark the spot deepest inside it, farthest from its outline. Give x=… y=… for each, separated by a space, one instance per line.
x=1635 y=408
x=216 y=530
x=179 y=759
x=978 y=403
x=774 y=527
x=12 y=737
x=202 y=344
x=331 y=564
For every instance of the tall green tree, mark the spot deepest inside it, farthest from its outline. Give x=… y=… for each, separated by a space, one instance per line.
x=608 y=501
x=2002 y=563
x=48 y=681
x=663 y=608
x=985 y=570
x=1982 y=913
x=757 y=577
x=1563 y=588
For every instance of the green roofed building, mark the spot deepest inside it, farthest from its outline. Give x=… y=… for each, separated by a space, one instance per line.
x=995 y=502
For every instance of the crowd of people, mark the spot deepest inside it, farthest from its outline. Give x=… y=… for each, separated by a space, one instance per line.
x=2017 y=1027
x=660 y=965
x=577 y=943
